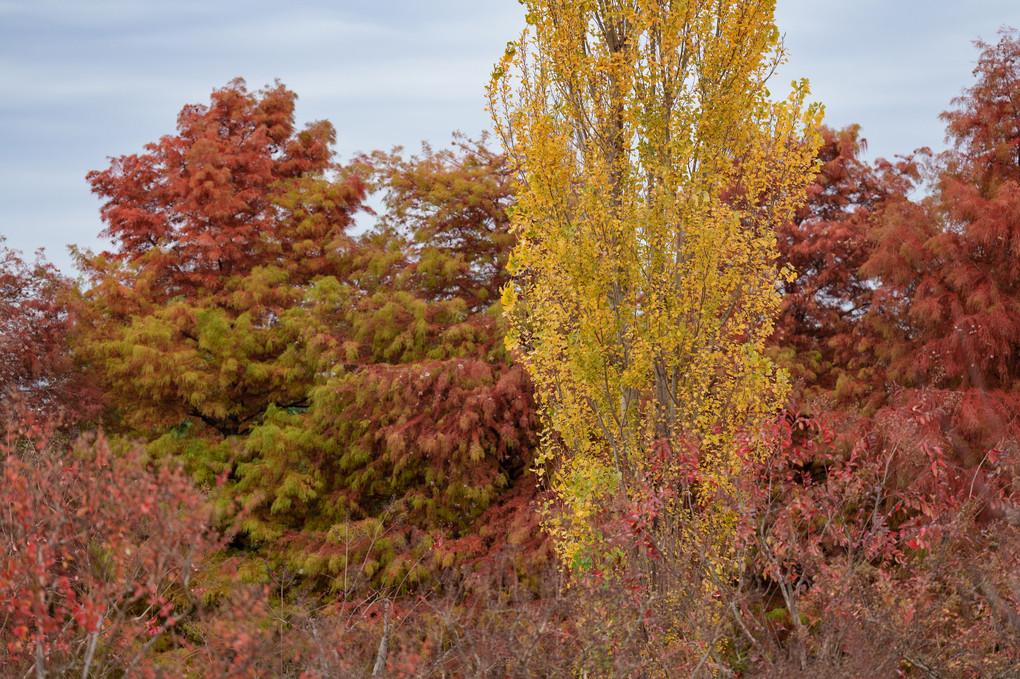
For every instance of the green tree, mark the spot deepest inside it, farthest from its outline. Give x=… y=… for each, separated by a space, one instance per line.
x=421 y=427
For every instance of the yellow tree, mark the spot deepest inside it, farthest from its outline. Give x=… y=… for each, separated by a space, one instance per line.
x=653 y=165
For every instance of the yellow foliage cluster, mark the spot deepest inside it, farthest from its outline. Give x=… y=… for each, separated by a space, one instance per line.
x=653 y=165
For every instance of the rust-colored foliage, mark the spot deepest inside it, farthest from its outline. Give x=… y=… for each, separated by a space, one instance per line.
x=906 y=512
x=219 y=230
x=98 y=553
x=918 y=292
x=238 y=187
x=949 y=264
x=37 y=314
x=968 y=302
x=824 y=333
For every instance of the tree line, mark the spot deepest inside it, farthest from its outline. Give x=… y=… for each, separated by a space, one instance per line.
x=678 y=385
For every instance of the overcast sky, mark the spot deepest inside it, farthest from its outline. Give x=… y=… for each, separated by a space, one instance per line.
x=81 y=80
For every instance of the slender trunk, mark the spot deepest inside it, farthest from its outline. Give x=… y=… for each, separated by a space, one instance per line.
x=380 y=656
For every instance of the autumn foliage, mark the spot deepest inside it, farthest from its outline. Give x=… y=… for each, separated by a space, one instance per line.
x=101 y=549
x=644 y=285
x=262 y=442
x=37 y=317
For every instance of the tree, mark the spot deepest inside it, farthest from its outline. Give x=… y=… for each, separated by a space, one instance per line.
x=452 y=205
x=967 y=304
x=834 y=315
x=422 y=428
x=220 y=229
x=948 y=265
x=906 y=512
x=349 y=388
x=653 y=168
x=37 y=315
x=237 y=188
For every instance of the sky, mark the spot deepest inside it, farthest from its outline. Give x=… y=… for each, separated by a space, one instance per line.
x=85 y=80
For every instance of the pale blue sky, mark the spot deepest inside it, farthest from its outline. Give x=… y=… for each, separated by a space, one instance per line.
x=81 y=80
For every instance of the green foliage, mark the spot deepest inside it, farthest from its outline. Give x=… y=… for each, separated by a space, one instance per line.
x=417 y=423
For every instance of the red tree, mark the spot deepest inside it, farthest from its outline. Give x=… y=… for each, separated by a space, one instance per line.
x=950 y=264
x=37 y=314
x=826 y=333
x=238 y=187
